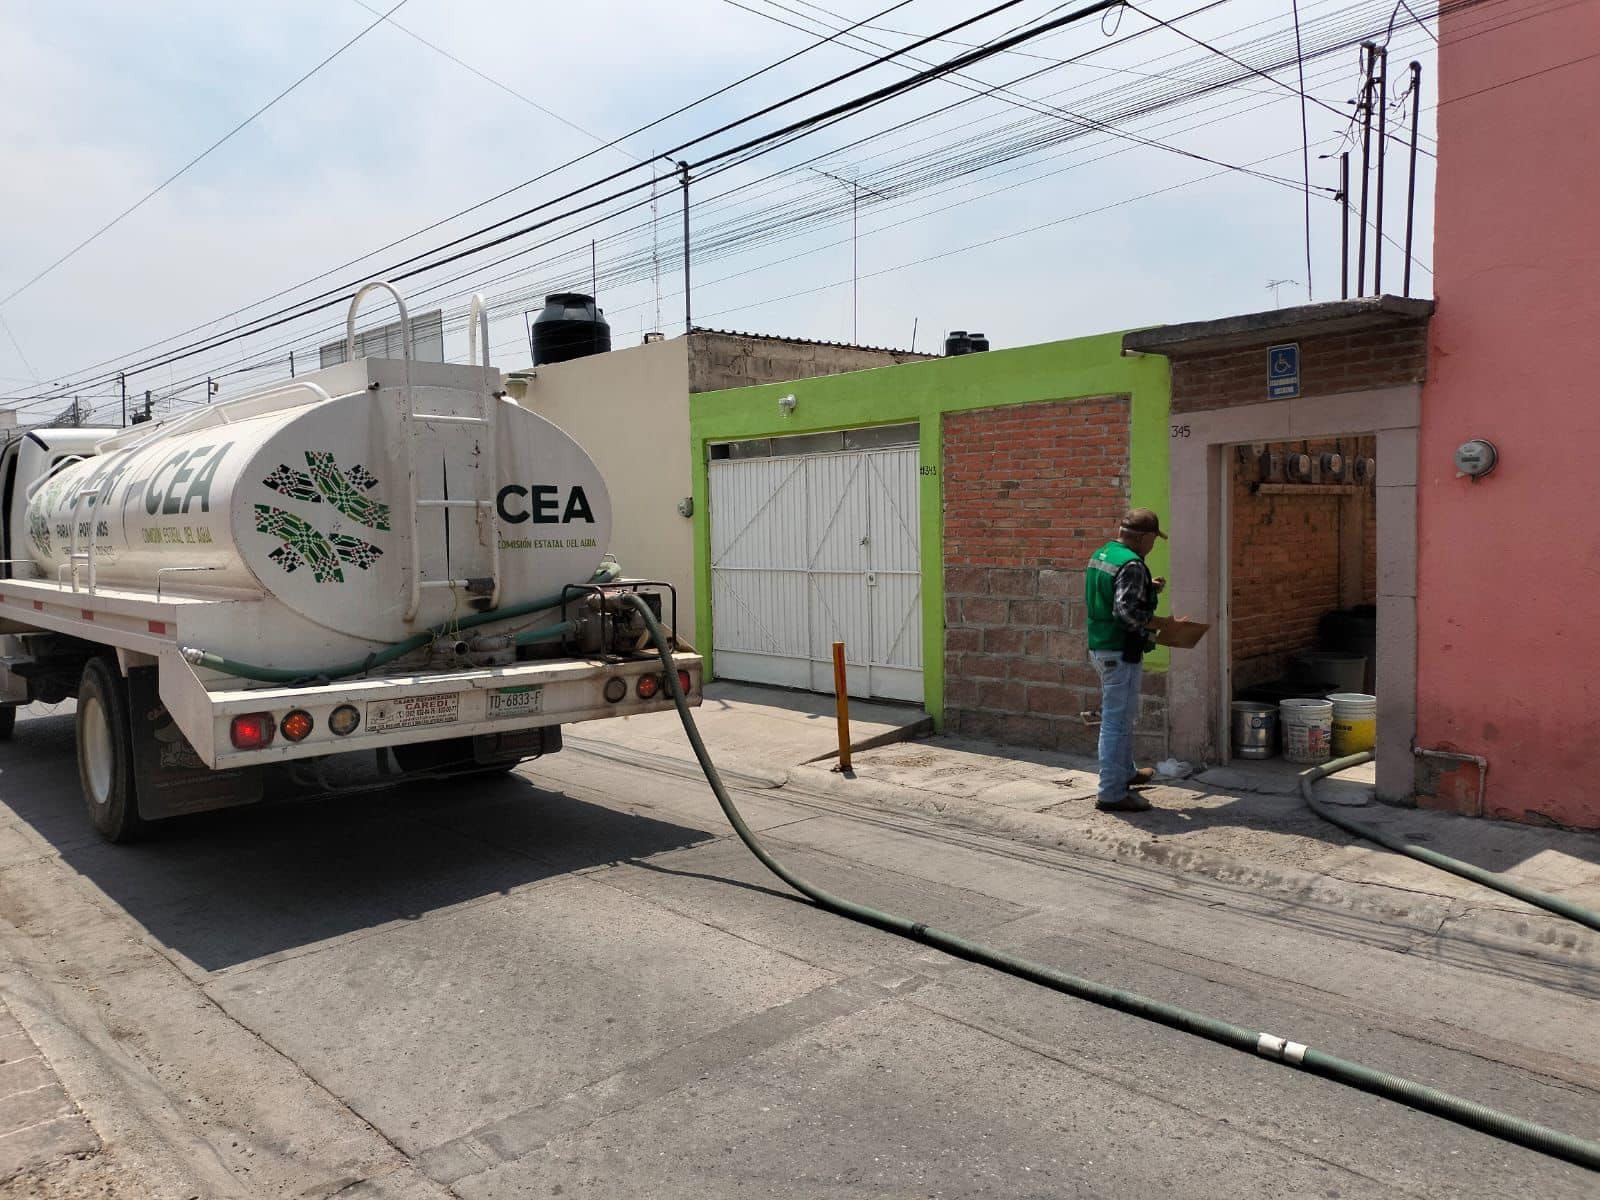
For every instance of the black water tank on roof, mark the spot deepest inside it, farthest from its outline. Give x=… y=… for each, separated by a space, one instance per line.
x=571 y=326
x=977 y=343
x=957 y=343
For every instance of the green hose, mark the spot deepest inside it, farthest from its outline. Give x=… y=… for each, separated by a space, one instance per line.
x=607 y=573
x=1489 y=879
x=1465 y=1112
x=529 y=637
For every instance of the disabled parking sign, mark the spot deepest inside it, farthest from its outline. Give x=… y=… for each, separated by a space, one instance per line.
x=1283 y=371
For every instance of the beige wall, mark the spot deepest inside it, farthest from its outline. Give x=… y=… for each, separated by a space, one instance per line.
x=630 y=410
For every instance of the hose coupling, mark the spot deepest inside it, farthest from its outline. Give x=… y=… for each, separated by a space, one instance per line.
x=1280 y=1049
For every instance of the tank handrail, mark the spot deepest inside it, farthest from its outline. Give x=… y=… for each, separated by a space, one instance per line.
x=221 y=413
x=55 y=467
x=478 y=315
x=355 y=304
x=160 y=571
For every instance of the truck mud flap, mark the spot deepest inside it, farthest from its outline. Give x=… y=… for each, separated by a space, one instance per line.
x=172 y=780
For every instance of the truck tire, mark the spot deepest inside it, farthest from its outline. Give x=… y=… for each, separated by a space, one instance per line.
x=105 y=753
x=8 y=721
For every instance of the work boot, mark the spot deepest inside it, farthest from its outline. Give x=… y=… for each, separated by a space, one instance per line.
x=1129 y=803
x=1142 y=777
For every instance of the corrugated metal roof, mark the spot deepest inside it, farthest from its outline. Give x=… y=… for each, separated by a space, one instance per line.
x=799 y=341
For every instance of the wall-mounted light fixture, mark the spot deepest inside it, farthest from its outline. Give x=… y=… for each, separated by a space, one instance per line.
x=786 y=404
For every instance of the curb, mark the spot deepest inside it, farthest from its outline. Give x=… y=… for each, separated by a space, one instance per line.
x=1491 y=921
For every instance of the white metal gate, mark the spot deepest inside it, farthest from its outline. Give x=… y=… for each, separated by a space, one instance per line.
x=807 y=550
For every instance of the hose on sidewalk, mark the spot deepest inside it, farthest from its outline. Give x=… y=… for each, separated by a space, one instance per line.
x=1489 y=879
x=1537 y=1137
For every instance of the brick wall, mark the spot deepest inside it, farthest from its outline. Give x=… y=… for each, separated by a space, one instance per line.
x=1287 y=568
x=1030 y=492
x=1329 y=364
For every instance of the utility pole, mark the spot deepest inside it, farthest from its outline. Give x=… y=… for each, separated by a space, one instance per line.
x=1369 y=58
x=1383 y=142
x=291 y=364
x=1411 y=185
x=688 y=317
x=1344 y=225
x=122 y=381
x=655 y=245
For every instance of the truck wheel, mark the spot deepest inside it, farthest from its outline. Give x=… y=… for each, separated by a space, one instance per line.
x=8 y=721
x=105 y=753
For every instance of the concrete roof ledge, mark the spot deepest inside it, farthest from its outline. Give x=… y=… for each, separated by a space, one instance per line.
x=1261 y=328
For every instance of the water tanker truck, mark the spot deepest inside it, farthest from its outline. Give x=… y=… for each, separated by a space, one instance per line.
x=385 y=556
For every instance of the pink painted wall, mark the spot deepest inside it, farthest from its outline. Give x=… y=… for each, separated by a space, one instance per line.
x=1508 y=599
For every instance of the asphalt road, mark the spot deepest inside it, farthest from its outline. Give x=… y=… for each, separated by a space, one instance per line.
x=575 y=982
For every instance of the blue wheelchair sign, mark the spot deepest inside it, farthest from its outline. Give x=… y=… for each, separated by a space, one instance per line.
x=1283 y=371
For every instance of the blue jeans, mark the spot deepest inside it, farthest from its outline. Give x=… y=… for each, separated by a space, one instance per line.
x=1119 y=709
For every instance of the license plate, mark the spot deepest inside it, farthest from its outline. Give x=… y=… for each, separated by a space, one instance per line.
x=516 y=702
x=412 y=712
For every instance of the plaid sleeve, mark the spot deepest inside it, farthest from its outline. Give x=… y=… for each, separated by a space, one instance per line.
x=1131 y=605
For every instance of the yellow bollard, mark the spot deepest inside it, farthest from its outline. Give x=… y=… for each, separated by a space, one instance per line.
x=842 y=702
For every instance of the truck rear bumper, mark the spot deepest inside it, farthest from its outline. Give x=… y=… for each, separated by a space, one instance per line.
x=404 y=709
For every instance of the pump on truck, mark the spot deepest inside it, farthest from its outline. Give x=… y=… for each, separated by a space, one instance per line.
x=385 y=556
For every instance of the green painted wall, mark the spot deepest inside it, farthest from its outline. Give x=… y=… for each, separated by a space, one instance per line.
x=923 y=392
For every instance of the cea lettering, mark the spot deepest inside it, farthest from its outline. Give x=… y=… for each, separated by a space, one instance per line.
x=542 y=504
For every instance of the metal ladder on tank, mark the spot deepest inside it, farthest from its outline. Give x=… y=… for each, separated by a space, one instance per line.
x=482 y=505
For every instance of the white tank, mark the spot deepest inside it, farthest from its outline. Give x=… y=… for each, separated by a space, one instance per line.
x=307 y=501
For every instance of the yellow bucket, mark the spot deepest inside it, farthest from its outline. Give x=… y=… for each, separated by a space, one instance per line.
x=1355 y=723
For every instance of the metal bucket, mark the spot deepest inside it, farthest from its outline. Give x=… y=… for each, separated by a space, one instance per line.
x=1255 y=729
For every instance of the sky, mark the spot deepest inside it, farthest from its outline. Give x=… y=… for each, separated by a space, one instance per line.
x=1105 y=231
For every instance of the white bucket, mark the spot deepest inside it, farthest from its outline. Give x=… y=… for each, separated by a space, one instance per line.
x=1307 y=729
x=1355 y=722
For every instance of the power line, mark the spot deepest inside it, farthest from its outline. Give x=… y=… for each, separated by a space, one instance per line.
x=17 y=346
x=140 y=203
x=504 y=87
x=802 y=128
x=394 y=271
x=492 y=199
x=1003 y=92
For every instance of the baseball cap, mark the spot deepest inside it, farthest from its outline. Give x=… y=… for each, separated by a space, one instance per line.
x=1142 y=520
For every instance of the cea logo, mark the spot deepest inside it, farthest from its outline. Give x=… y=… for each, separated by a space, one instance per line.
x=542 y=504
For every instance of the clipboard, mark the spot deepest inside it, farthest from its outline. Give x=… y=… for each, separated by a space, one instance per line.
x=1178 y=633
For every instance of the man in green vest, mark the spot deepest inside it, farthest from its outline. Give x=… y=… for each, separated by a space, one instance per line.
x=1121 y=598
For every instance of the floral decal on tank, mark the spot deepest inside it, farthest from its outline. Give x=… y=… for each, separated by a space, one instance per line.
x=303 y=544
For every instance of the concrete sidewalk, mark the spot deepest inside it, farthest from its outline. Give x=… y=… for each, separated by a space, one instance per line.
x=1245 y=824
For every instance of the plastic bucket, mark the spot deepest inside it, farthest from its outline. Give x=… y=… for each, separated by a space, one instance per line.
x=1255 y=729
x=1355 y=722
x=1307 y=730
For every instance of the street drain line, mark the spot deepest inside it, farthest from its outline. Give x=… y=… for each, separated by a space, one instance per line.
x=1281 y=1050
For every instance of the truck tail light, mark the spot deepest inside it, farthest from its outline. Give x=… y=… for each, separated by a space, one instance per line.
x=615 y=689
x=648 y=686
x=344 y=719
x=297 y=725
x=684 y=682
x=252 y=731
